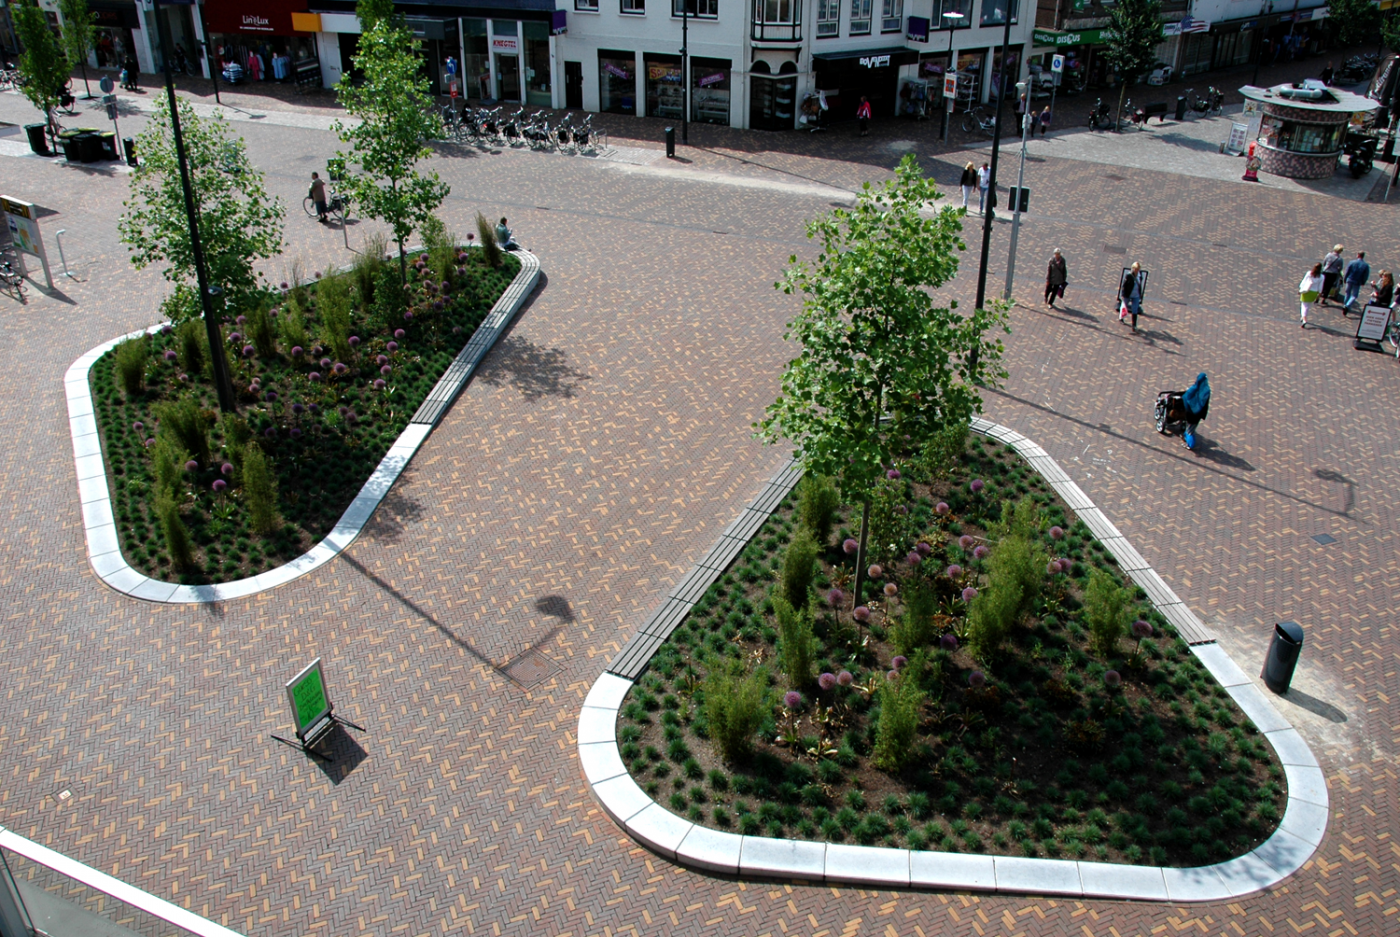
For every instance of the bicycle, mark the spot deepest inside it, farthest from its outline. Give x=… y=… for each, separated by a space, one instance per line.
x=10 y=279
x=337 y=206
x=980 y=118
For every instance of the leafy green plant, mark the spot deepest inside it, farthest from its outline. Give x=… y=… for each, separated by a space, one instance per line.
x=194 y=346
x=900 y=702
x=177 y=536
x=168 y=464
x=291 y=322
x=818 y=504
x=262 y=331
x=914 y=629
x=130 y=364
x=185 y=421
x=736 y=704
x=333 y=307
x=799 y=567
x=1107 y=609
x=796 y=644
x=260 y=490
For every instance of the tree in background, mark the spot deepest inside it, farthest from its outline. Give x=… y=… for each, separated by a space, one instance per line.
x=879 y=361
x=77 y=34
x=1355 y=21
x=44 y=66
x=239 y=223
x=397 y=116
x=1133 y=33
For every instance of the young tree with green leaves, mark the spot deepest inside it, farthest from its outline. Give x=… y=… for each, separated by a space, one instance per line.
x=1134 y=32
x=879 y=359
x=78 y=23
x=239 y=223
x=1355 y=21
x=44 y=66
x=397 y=116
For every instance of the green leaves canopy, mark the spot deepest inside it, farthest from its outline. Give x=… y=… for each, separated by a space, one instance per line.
x=44 y=65
x=1356 y=21
x=874 y=343
x=78 y=29
x=239 y=224
x=1134 y=32
x=396 y=116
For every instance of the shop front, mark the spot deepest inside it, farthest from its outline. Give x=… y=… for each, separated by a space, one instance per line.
x=1085 y=64
x=1301 y=133
x=260 y=36
x=773 y=98
x=709 y=90
x=846 y=77
x=437 y=40
x=664 y=88
x=617 y=82
x=113 y=39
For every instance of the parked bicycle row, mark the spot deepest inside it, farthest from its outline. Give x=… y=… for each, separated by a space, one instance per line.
x=536 y=130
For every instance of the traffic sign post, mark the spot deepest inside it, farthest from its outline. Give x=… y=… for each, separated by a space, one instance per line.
x=950 y=92
x=1057 y=68
x=109 y=99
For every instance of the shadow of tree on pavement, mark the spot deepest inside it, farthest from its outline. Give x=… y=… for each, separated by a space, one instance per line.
x=533 y=370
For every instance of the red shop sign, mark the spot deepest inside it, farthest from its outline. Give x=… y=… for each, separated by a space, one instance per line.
x=266 y=17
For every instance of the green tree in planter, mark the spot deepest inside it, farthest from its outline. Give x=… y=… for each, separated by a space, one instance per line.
x=77 y=34
x=239 y=223
x=396 y=117
x=879 y=358
x=43 y=65
x=1133 y=34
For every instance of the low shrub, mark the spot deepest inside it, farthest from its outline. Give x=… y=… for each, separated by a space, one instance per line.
x=796 y=644
x=818 y=504
x=900 y=701
x=130 y=364
x=736 y=704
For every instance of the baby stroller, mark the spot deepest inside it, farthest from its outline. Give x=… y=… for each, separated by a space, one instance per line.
x=1178 y=411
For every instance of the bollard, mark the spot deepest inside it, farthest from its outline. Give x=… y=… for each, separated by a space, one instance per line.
x=670 y=142
x=1282 y=658
x=58 y=236
x=1180 y=108
x=129 y=145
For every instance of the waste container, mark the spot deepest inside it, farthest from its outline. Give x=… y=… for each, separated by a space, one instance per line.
x=69 y=143
x=129 y=145
x=109 y=144
x=1282 y=658
x=1180 y=108
x=38 y=142
x=670 y=142
x=90 y=146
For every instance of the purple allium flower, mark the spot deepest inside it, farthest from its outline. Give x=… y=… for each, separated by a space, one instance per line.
x=977 y=485
x=861 y=613
x=379 y=383
x=461 y=257
x=1057 y=533
x=170 y=354
x=923 y=548
x=226 y=468
x=339 y=367
x=835 y=597
x=166 y=329
x=351 y=417
x=317 y=274
x=1113 y=679
x=382 y=359
x=977 y=679
x=953 y=571
x=439 y=305
x=297 y=351
x=899 y=662
x=342 y=410
x=386 y=369
x=891 y=590
x=981 y=551
x=969 y=594
x=941 y=507
x=844 y=678
x=219 y=485
x=354 y=340
x=314 y=408
x=150 y=442
x=271 y=396
x=274 y=312
x=892 y=474
x=949 y=642
x=901 y=509
x=850 y=546
x=1052 y=567
x=241 y=319
x=325 y=364
x=235 y=337
x=456 y=330
x=408 y=316
x=294 y=432
x=182 y=376
x=314 y=375
x=191 y=466
x=297 y=408
x=826 y=681
x=270 y=432
x=444 y=284
x=392 y=347
x=423 y=257
x=966 y=542
x=913 y=558
x=875 y=571
x=470 y=238
x=285 y=285
x=792 y=699
x=892 y=675
x=1142 y=629
x=138 y=426
x=248 y=351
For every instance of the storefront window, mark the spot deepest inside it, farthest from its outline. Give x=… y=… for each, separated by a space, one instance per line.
x=994 y=12
x=617 y=82
x=476 y=60
x=1298 y=137
x=665 y=93
x=537 y=74
x=933 y=65
x=709 y=91
x=970 y=66
x=771 y=102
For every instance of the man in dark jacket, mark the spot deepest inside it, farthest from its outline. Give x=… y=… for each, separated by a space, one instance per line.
x=1055 y=279
x=1354 y=277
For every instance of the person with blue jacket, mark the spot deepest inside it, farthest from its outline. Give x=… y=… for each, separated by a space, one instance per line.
x=1354 y=277
x=1196 y=401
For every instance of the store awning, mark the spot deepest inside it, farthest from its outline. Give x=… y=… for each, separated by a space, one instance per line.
x=1077 y=37
x=869 y=58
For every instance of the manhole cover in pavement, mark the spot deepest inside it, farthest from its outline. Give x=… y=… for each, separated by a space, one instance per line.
x=1114 y=249
x=1324 y=539
x=531 y=668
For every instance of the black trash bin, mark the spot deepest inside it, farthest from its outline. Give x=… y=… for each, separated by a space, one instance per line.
x=69 y=143
x=89 y=147
x=1180 y=108
x=1282 y=658
x=38 y=140
x=129 y=145
x=670 y=142
x=109 y=144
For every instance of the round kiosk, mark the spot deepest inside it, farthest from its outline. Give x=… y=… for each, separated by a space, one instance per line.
x=1303 y=127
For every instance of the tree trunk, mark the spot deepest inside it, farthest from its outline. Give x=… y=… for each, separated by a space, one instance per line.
x=1118 y=115
x=403 y=264
x=860 y=552
x=86 y=87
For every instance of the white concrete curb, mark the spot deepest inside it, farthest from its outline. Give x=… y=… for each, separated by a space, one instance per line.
x=99 y=523
x=1299 y=833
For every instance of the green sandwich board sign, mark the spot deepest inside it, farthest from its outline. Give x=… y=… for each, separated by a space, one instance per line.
x=310 y=704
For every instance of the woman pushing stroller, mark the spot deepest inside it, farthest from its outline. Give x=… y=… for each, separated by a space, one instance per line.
x=1184 y=409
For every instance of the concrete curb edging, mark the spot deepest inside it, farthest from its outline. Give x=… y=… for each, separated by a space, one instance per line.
x=99 y=523
x=1298 y=836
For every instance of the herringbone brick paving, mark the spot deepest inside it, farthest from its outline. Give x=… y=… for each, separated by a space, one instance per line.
x=597 y=456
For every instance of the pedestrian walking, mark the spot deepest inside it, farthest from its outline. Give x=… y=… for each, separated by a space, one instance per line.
x=317 y=193
x=1130 y=294
x=1383 y=289
x=1326 y=75
x=1331 y=273
x=1308 y=289
x=1055 y=279
x=984 y=179
x=863 y=115
x=1353 y=278
x=969 y=181
x=1045 y=120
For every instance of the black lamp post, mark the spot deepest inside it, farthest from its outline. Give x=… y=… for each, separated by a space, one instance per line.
x=1259 y=46
x=211 y=324
x=989 y=212
x=685 y=70
x=951 y=65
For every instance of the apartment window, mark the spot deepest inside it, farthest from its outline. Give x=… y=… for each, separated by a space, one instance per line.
x=860 y=17
x=945 y=18
x=892 y=16
x=636 y=7
x=994 y=11
x=586 y=6
x=828 y=18
x=777 y=20
x=702 y=9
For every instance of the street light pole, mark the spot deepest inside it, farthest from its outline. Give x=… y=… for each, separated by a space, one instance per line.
x=685 y=70
x=1259 y=46
x=1016 y=194
x=992 y=180
x=951 y=65
x=211 y=324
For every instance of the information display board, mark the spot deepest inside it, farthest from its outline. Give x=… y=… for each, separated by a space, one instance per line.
x=1375 y=321
x=22 y=218
x=307 y=694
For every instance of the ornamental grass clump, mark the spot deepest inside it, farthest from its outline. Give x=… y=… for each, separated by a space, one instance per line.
x=915 y=629
x=167 y=464
x=818 y=503
x=194 y=346
x=1106 y=611
x=130 y=364
x=333 y=307
x=490 y=250
x=185 y=422
x=260 y=490
x=262 y=331
x=177 y=535
x=797 y=646
x=900 y=701
x=735 y=705
x=799 y=567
